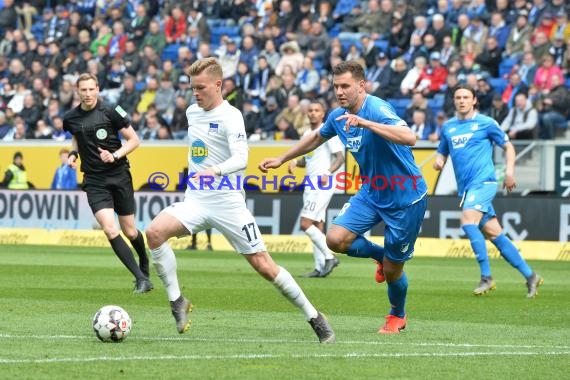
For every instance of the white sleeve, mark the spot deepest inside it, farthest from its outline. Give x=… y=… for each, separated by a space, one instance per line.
x=335 y=145
x=235 y=134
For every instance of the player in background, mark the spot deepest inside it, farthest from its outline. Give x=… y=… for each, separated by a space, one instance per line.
x=218 y=154
x=380 y=142
x=96 y=127
x=468 y=138
x=319 y=164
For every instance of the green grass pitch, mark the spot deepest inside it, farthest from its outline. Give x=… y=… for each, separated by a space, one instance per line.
x=242 y=327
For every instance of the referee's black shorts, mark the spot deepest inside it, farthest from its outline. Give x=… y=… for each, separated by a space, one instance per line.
x=110 y=190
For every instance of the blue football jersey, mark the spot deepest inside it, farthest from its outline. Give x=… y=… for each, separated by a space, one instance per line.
x=395 y=180
x=470 y=145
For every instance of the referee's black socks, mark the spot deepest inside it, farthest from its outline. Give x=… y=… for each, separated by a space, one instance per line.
x=138 y=245
x=125 y=254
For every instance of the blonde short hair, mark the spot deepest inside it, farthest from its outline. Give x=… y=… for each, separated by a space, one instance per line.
x=210 y=65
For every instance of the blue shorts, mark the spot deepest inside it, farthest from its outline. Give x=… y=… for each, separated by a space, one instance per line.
x=480 y=198
x=402 y=225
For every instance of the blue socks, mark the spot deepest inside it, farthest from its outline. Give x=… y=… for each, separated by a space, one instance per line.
x=397 y=291
x=512 y=255
x=477 y=240
x=362 y=247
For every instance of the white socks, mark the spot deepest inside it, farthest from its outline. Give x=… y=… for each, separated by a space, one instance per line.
x=321 y=251
x=285 y=283
x=165 y=263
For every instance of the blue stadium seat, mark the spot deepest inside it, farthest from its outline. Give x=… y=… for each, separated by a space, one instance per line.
x=140 y=86
x=499 y=84
x=170 y=52
x=382 y=45
x=436 y=103
x=506 y=66
x=399 y=105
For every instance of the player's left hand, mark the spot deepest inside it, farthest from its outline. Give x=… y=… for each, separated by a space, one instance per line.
x=106 y=156
x=351 y=121
x=269 y=163
x=209 y=173
x=509 y=183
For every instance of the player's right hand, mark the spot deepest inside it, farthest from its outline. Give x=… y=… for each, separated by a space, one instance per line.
x=292 y=166
x=269 y=163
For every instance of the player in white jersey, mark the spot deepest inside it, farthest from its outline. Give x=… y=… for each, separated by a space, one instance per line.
x=218 y=155
x=319 y=165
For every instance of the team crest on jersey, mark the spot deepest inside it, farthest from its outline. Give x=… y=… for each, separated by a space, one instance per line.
x=460 y=141
x=353 y=143
x=198 y=151
x=101 y=134
x=214 y=128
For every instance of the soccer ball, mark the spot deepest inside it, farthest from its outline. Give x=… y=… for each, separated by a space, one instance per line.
x=111 y=324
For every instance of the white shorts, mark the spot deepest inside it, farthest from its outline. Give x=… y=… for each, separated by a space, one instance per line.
x=315 y=204
x=228 y=214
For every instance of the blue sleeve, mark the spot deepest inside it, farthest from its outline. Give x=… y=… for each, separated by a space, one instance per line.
x=443 y=147
x=327 y=131
x=53 y=181
x=496 y=134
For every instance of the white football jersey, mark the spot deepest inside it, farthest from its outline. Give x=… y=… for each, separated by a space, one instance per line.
x=214 y=136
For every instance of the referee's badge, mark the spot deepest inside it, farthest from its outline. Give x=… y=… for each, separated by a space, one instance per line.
x=101 y=134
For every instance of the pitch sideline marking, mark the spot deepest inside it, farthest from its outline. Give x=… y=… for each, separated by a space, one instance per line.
x=275 y=356
x=280 y=341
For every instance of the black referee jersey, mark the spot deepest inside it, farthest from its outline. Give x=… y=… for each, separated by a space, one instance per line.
x=97 y=128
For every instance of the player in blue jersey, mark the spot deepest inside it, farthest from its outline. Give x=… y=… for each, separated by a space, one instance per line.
x=468 y=138
x=393 y=190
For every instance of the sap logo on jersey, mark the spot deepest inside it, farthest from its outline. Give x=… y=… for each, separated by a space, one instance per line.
x=353 y=143
x=199 y=151
x=459 y=141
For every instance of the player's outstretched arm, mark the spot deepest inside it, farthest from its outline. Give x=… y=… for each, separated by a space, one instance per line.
x=306 y=145
x=509 y=183
x=440 y=160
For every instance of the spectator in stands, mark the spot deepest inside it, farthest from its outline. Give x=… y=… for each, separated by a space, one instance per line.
x=422 y=129
x=65 y=177
x=515 y=86
x=490 y=58
x=155 y=38
x=527 y=69
x=520 y=32
x=308 y=79
x=379 y=74
x=286 y=16
x=175 y=25
x=150 y=129
x=248 y=52
x=260 y=78
x=179 y=122
x=232 y=94
x=485 y=93
x=18 y=131
x=554 y=110
x=58 y=134
x=439 y=120
x=439 y=30
x=475 y=35
x=323 y=16
x=539 y=10
x=132 y=59
x=293 y=114
x=288 y=88
x=165 y=97
x=8 y=17
x=499 y=110
x=545 y=74
x=419 y=102
x=197 y=19
x=5 y=127
x=396 y=73
x=139 y=24
x=399 y=39
x=228 y=56
x=271 y=54
x=116 y=47
x=342 y=9
x=432 y=78
x=266 y=123
x=499 y=29
x=250 y=117
x=325 y=92
x=416 y=49
x=522 y=120
x=148 y=95
x=540 y=46
x=318 y=41
x=244 y=79
x=410 y=81
x=455 y=11
x=335 y=50
x=369 y=51
x=104 y=35
x=351 y=22
x=285 y=131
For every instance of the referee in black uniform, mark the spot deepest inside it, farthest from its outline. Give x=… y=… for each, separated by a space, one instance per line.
x=95 y=127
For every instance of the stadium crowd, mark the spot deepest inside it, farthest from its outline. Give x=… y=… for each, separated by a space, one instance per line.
x=277 y=56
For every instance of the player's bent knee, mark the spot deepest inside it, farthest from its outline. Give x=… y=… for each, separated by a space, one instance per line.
x=154 y=237
x=337 y=243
